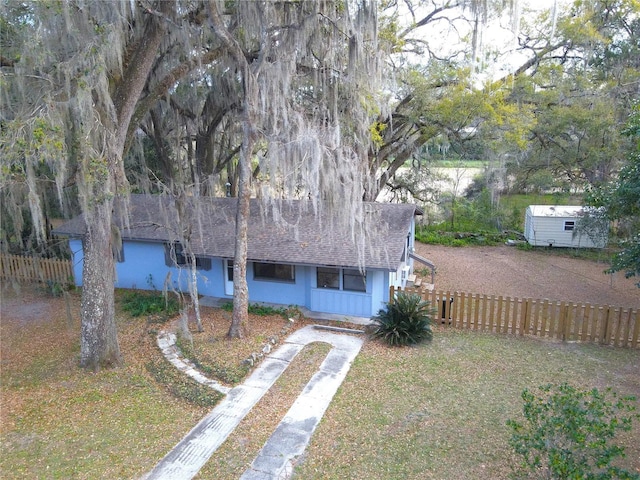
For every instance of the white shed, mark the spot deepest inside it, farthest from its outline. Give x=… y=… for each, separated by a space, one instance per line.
x=556 y=226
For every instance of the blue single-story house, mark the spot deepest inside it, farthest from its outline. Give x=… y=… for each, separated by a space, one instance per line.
x=296 y=255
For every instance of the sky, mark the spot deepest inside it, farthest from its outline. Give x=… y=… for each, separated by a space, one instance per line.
x=498 y=35
x=504 y=39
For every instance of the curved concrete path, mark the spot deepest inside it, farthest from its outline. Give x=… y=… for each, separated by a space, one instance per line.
x=292 y=435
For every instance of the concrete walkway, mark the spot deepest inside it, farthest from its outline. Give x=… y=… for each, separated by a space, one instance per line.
x=292 y=435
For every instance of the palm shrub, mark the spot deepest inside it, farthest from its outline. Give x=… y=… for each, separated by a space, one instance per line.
x=405 y=321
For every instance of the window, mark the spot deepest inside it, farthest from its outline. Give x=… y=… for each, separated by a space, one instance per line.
x=569 y=225
x=353 y=280
x=328 y=277
x=274 y=271
x=230 y=270
x=341 y=279
x=174 y=255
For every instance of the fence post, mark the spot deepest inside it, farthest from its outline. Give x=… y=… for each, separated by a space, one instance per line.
x=636 y=329
x=619 y=329
x=446 y=308
x=567 y=322
x=434 y=297
x=507 y=315
x=604 y=329
x=544 y=308
x=469 y=310
x=595 y=317
x=459 y=320
x=523 y=317
x=476 y=311
x=455 y=309
x=627 y=328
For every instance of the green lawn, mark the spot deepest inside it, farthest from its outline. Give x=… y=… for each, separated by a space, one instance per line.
x=433 y=411
x=439 y=410
x=458 y=163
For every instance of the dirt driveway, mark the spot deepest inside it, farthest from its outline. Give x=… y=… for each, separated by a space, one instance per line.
x=504 y=270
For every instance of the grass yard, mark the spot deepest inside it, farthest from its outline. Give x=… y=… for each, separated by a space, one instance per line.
x=58 y=421
x=433 y=411
x=439 y=410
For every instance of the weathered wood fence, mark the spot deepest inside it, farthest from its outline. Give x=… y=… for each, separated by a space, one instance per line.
x=35 y=269
x=566 y=321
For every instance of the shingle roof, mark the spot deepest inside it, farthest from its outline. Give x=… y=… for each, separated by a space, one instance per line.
x=290 y=233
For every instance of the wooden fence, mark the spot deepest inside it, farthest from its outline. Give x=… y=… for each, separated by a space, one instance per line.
x=35 y=269
x=565 y=321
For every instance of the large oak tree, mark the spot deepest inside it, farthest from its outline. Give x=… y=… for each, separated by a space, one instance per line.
x=81 y=76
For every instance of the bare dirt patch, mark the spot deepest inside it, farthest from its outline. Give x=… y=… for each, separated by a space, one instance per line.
x=505 y=270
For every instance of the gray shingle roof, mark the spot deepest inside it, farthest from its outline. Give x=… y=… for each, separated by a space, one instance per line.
x=290 y=233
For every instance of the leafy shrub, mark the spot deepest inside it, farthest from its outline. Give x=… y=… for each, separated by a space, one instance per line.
x=57 y=289
x=405 y=321
x=182 y=386
x=258 y=309
x=138 y=304
x=524 y=246
x=568 y=433
x=437 y=235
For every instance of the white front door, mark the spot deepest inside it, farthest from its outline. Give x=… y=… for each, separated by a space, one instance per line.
x=228 y=277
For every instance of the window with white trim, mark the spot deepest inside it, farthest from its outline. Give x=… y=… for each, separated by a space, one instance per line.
x=569 y=225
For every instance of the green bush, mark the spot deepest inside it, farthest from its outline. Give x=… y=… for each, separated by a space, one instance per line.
x=524 y=246
x=438 y=235
x=138 y=304
x=405 y=321
x=568 y=434
x=260 y=310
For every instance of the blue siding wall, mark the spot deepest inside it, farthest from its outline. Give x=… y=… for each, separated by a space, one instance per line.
x=278 y=292
x=77 y=253
x=339 y=301
x=144 y=268
x=145 y=263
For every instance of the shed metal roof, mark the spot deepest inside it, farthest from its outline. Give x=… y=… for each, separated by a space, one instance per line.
x=289 y=232
x=557 y=210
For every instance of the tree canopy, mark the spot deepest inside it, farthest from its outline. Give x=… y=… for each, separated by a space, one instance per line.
x=621 y=200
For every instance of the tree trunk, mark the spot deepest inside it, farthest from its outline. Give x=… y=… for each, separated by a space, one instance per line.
x=240 y=316
x=193 y=292
x=99 y=340
x=240 y=288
